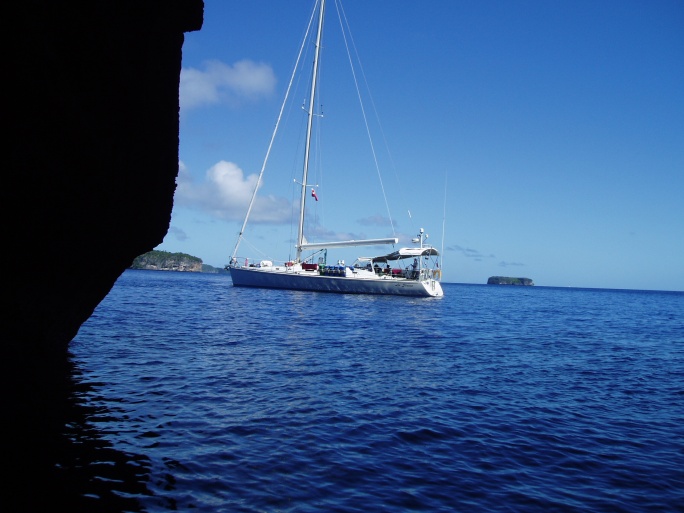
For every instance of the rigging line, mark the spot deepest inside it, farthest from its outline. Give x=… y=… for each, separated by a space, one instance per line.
x=275 y=131
x=341 y=14
x=444 y=217
x=377 y=118
x=256 y=250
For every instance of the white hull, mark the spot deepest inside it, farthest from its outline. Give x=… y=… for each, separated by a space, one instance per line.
x=365 y=283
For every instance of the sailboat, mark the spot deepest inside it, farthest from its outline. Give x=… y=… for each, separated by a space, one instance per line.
x=406 y=271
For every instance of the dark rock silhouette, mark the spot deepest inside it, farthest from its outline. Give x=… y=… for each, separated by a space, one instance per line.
x=92 y=121
x=91 y=117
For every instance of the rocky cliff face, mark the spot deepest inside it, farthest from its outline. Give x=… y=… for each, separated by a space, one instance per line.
x=190 y=267
x=173 y=265
x=92 y=124
x=93 y=152
x=166 y=261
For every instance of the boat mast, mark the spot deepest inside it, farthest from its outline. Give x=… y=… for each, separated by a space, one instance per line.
x=310 y=112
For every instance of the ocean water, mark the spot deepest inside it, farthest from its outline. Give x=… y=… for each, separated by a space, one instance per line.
x=197 y=396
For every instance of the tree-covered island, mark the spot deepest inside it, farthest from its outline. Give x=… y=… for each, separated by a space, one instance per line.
x=166 y=261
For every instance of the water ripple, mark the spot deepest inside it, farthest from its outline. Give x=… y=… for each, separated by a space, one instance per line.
x=492 y=399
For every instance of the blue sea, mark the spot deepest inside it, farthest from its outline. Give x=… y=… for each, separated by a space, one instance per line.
x=198 y=396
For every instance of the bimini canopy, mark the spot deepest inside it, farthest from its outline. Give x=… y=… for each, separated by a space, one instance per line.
x=407 y=253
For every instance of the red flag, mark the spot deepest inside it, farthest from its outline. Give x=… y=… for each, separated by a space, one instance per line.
x=313 y=193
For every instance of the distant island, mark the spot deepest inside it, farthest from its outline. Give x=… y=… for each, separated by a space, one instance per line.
x=165 y=261
x=504 y=280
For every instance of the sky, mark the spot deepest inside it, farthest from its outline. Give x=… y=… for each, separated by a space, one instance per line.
x=532 y=138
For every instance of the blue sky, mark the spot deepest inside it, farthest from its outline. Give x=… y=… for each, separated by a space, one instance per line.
x=536 y=138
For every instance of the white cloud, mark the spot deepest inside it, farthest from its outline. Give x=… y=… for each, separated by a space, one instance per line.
x=510 y=264
x=376 y=220
x=177 y=233
x=223 y=83
x=225 y=194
